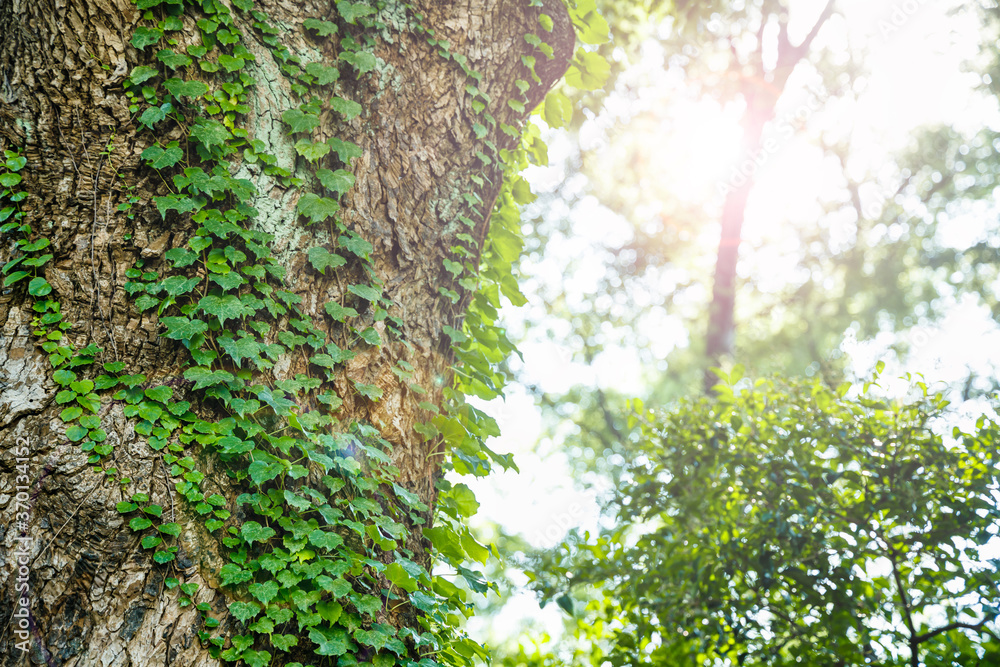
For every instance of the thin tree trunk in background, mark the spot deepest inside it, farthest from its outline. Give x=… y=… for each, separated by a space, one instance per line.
x=721 y=313
x=96 y=597
x=761 y=93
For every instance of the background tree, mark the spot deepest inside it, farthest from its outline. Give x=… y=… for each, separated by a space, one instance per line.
x=793 y=524
x=239 y=244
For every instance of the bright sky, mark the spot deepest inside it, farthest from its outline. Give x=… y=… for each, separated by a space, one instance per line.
x=916 y=51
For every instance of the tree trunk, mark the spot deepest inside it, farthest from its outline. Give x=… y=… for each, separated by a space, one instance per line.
x=95 y=596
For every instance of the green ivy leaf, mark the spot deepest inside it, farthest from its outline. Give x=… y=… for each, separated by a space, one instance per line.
x=256 y=658
x=349 y=109
x=475 y=550
x=231 y=63
x=352 y=11
x=325 y=540
x=181 y=88
x=69 y=414
x=244 y=611
x=370 y=336
x=105 y=382
x=179 y=408
x=557 y=110
x=375 y=638
x=322 y=259
x=204 y=377
x=324 y=73
x=183 y=328
x=516 y=105
x=330 y=641
x=142 y=73
x=239 y=349
x=171 y=59
x=264 y=592
x=356 y=245
x=154 y=115
x=395 y=573
x=446 y=542
x=208 y=25
x=143 y=37
x=169 y=529
x=162 y=557
x=82 y=386
x=139 y=523
x=324 y=28
x=261 y=471
x=299 y=121
x=296 y=501
x=151 y=541
x=210 y=133
x=340 y=181
x=199 y=243
x=362 y=61
x=161 y=393
x=90 y=421
x=115 y=366
x=317 y=208
x=369 y=391
x=90 y=402
x=180 y=257
x=178 y=285
x=345 y=150
x=148 y=411
x=588 y=71
x=231 y=575
x=411 y=499
x=366 y=292
x=65 y=396
x=76 y=433
x=225 y=308
x=338 y=588
x=311 y=151
x=179 y=203
x=324 y=360
x=39 y=287
x=15 y=277
x=284 y=642
x=254 y=532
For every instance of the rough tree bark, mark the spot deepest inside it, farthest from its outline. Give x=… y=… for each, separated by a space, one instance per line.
x=96 y=598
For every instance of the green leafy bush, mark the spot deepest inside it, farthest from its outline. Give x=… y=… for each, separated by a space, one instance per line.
x=791 y=524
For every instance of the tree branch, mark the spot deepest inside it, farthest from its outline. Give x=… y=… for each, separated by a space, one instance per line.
x=907 y=610
x=788 y=55
x=958 y=625
x=807 y=42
